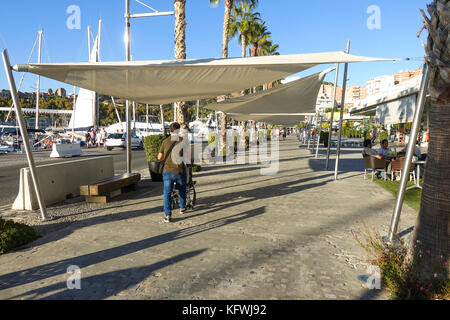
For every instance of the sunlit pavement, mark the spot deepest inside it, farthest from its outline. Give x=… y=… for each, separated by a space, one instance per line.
x=251 y=236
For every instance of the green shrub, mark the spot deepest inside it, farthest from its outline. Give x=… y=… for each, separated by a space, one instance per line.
x=152 y=144
x=383 y=135
x=398 y=273
x=13 y=235
x=196 y=168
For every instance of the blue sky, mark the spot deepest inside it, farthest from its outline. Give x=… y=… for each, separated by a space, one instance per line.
x=298 y=26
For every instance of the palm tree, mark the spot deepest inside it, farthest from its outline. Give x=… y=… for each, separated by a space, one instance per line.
x=258 y=36
x=225 y=40
x=431 y=232
x=226 y=20
x=180 y=54
x=269 y=49
x=242 y=20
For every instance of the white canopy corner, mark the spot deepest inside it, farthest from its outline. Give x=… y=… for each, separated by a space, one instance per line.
x=298 y=96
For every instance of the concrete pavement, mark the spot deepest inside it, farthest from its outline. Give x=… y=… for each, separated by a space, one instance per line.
x=251 y=236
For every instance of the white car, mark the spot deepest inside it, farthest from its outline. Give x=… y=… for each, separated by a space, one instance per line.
x=119 y=140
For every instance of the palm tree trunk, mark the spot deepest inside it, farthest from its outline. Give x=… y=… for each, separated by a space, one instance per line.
x=226 y=28
x=431 y=233
x=180 y=53
x=243 y=43
x=243 y=133
x=225 y=40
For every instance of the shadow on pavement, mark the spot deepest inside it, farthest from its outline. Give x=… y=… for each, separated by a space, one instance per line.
x=108 y=284
x=60 y=267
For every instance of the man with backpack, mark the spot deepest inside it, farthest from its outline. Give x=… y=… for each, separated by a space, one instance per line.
x=173 y=171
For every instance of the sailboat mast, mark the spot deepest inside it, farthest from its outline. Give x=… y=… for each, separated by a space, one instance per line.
x=38 y=85
x=97 y=104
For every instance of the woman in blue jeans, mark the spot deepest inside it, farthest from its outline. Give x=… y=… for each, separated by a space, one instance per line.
x=174 y=170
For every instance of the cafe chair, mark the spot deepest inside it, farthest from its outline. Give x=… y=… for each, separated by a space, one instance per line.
x=374 y=164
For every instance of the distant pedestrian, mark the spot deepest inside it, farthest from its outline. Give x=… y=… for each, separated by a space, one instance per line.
x=98 y=138
x=87 y=137
x=103 y=137
x=93 y=136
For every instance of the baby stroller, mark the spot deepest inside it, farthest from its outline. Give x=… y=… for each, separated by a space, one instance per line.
x=191 y=195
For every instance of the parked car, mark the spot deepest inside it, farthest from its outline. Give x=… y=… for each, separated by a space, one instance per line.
x=119 y=140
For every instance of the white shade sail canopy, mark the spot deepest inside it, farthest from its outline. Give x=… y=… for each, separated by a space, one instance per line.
x=395 y=105
x=160 y=82
x=294 y=97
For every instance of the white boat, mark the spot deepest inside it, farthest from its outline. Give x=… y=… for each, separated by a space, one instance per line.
x=142 y=129
x=199 y=129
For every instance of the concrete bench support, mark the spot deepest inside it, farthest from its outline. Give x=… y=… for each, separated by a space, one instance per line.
x=61 y=181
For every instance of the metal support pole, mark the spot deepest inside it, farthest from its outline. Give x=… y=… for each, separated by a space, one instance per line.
x=309 y=130
x=409 y=153
x=332 y=115
x=134 y=115
x=318 y=136
x=73 y=114
x=23 y=130
x=146 y=119
x=341 y=116
x=162 y=119
x=38 y=86
x=128 y=58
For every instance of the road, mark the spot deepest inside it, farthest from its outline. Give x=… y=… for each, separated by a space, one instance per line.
x=11 y=163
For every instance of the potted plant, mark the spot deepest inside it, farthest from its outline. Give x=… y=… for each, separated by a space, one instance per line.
x=152 y=145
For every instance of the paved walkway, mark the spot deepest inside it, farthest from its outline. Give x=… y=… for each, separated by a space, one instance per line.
x=251 y=236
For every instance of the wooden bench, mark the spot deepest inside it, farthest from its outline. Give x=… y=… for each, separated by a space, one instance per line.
x=103 y=191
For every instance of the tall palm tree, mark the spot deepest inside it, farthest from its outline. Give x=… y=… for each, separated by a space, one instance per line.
x=226 y=20
x=269 y=49
x=242 y=20
x=431 y=232
x=225 y=40
x=180 y=54
x=257 y=36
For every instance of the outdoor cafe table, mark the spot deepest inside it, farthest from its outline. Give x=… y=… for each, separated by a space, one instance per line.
x=417 y=184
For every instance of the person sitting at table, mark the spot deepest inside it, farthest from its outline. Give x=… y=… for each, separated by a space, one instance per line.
x=368 y=151
x=384 y=151
x=417 y=152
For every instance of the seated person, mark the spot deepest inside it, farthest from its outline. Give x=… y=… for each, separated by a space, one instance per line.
x=384 y=151
x=417 y=152
x=368 y=151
